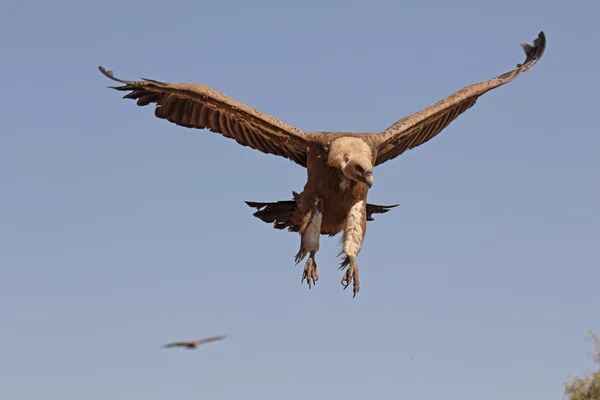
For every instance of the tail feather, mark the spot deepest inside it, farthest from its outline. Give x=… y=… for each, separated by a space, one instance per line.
x=280 y=213
x=377 y=209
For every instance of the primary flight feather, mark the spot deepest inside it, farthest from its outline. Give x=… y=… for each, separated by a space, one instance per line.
x=339 y=164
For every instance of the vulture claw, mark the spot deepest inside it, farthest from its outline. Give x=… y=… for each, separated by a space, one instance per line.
x=351 y=276
x=310 y=272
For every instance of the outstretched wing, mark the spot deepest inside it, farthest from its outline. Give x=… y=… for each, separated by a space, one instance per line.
x=177 y=344
x=211 y=339
x=422 y=126
x=194 y=105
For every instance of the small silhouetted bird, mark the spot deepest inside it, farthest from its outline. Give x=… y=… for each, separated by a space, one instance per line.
x=195 y=343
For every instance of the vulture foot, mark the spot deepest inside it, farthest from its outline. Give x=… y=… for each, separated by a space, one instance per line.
x=309 y=240
x=351 y=276
x=310 y=271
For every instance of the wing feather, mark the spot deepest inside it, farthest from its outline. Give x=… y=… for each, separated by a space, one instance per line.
x=176 y=344
x=211 y=339
x=194 y=105
x=418 y=128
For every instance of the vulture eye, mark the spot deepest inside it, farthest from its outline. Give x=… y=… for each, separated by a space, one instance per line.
x=359 y=169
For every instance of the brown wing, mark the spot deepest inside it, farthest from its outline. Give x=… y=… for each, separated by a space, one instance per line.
x=177 y=344
x=422 y=126
x=193 y=105
x=210 y=339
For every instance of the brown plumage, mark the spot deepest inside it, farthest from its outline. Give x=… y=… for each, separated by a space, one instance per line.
x=195 y=343
x=339 y=164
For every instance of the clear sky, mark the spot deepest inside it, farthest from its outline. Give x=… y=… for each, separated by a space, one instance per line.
x=120 y=232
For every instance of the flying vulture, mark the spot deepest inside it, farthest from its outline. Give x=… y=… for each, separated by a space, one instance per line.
x=195 y=343
x=339 y=164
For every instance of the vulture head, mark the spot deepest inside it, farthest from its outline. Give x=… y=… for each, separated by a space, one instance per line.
x=353 y=157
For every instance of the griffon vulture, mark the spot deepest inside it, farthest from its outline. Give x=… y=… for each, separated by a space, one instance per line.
x=339 y=164
x=195 y=343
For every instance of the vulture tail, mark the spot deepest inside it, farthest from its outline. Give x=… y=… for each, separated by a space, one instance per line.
x=280 y=213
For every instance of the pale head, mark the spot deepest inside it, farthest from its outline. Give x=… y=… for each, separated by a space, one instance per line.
x=353 y=157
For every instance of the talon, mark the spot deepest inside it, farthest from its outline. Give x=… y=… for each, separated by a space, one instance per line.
x=351 y=276
x=345 y=281
x=310 y=272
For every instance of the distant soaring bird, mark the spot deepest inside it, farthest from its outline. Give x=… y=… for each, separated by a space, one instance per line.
x=195 y=343
x=339 y=164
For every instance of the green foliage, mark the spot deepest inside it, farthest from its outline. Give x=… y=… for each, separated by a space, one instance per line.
x=587 y=387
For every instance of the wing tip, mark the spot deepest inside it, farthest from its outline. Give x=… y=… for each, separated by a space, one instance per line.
x=534 y=52
x=110 y=74
x=128 y=84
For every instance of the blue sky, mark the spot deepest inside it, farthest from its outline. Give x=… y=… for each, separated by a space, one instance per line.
x=120 y=231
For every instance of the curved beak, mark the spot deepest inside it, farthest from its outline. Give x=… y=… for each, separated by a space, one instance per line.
x=369 y=180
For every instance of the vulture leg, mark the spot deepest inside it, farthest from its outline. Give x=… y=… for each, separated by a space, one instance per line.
x=354 y=234
x=309 y=241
